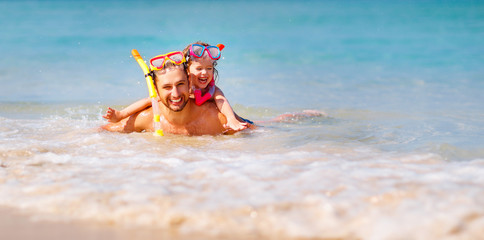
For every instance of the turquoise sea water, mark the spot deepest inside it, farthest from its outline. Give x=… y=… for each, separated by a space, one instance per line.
x=401 y=147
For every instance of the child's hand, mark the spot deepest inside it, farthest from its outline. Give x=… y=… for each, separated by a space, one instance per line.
x=235 y=125
x=113 y=115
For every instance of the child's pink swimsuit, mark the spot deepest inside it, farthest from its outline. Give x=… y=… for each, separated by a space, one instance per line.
x=199 y=99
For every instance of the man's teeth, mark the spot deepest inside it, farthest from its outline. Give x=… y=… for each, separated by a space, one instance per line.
x=176 y=101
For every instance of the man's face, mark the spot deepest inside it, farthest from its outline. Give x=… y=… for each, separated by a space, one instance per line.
x=173 y=88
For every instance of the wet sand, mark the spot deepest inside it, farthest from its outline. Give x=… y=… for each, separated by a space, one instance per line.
x=16 y=225
x=19 y=226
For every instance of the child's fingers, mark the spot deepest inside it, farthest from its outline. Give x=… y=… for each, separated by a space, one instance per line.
x=109 y=113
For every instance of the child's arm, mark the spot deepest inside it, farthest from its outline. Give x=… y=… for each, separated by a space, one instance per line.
x=225 y=108
x=113 y=115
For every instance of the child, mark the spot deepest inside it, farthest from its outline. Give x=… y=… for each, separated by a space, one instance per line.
x=201 y=62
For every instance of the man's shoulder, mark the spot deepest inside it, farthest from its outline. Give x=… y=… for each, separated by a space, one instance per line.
x=141 y=121
x=208 y=107
x=208 y=118
x=210 y=110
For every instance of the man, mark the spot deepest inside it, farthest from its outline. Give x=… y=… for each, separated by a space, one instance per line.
x=179 y=113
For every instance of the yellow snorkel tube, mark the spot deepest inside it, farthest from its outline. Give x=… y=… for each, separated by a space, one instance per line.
x=152 y=92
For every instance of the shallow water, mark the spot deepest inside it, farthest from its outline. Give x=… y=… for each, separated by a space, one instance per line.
x=321 y=177
x=398 y=155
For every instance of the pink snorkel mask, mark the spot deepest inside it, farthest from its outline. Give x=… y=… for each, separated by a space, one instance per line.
x=214 y=52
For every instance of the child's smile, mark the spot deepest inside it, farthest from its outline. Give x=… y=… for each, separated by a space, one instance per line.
x=201 y=72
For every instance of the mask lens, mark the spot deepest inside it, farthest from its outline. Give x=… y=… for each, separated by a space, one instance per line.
x=158 y=63
x=214 y=52
x=197 y=50
x=177 y=58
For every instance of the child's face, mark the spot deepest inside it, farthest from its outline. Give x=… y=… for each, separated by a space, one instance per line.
x=201 y=72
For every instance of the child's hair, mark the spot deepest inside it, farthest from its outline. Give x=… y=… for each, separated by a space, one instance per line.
x=186 y=53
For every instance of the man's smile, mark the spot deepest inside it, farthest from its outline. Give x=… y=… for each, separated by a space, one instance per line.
x=176 y=101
